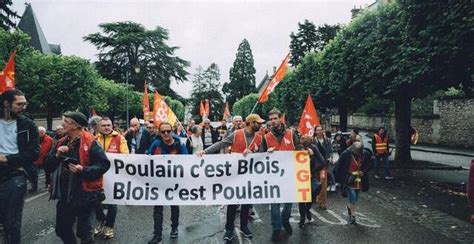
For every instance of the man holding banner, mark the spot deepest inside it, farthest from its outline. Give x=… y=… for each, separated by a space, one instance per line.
x=112 y=142
x=168 y=144
x=243 y=141
x=279 y=138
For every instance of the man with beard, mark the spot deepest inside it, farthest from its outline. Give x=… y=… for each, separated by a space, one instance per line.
x=19 y=147
x=279 y=138
x=243 y=141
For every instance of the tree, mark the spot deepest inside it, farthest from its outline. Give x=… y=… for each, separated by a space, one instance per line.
x=207 y=85
x=309 y=38
x=423 y=53
x=123 y=46
x=402 y=51
x=7 y=15
x=57 y=83
x=244 y=106
x=242 y=74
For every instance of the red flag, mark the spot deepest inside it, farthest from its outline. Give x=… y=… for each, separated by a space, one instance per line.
x=309 y=119
x=7 y=76
x=202 y=110
x=162 y=112
x=146 y=104
x=93 y=112
x=226 y=112
x=280 y=73
x=207 y=107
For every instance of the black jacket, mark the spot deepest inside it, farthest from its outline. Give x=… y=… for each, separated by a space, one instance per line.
x=214 y=135
x=143 y=144
x=28 y=148
x=99 y=164
x=341 y=171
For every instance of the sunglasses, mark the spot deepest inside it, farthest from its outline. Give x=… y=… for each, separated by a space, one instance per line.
x=165 y=131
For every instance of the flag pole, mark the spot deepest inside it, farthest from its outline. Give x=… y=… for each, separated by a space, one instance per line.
x=255 y=106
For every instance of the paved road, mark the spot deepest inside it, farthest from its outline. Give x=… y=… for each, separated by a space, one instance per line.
x=383 y=218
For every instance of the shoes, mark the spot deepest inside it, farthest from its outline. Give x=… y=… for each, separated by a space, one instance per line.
x=245 y=230
x=108 y=232
x=389 y=177
x=301 y=223
x=174 y=232
x=99 y=229
x=156 y=239
x=288 y=228
x=229 y=235
x=276 y=236
x=376 y=176
x=323 y=206
x=352 y=220
x=32 y=190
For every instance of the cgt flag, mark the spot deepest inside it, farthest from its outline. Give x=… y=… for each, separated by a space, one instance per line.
x=206 y=107
x=146 y=104
x=7 y=76
x=202 y=109
x=309 y=119
x=161 y=111
x=280 y=73
x=226 y=112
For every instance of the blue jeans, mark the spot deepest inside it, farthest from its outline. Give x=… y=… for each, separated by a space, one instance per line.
x=385 y=164
x=352 y=195
x=278 y=218
x=12 y=199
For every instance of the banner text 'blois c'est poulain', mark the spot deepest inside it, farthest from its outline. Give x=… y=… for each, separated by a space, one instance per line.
x=258 y=178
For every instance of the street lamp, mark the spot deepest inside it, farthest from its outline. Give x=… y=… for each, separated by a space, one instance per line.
x=136 y=68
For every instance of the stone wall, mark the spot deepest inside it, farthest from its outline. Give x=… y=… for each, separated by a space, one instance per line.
x=452 y=123
x=457 y=122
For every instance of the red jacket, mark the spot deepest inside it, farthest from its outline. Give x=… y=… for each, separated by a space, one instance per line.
x=45 y=147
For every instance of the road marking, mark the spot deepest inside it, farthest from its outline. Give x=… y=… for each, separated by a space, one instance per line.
x=36 y=197
x=237 y=233
x=257 y=217
x=320 y=217
x=363 y=217
x=50 y=229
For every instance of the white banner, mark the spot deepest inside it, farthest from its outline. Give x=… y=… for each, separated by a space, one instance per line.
x=258 y=178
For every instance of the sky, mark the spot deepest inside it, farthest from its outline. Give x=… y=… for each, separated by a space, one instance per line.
x=205 y=31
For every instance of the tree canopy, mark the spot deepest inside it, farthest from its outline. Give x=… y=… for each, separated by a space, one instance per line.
x=125 y=46
x=7 y=15
x=242 y=74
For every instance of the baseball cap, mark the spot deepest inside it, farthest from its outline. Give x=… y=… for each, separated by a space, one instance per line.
x=254 y=118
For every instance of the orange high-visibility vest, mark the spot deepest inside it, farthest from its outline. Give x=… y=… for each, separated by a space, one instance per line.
x=240 y=142
x=84 y=160
x=381 y=145
x=286 y=143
